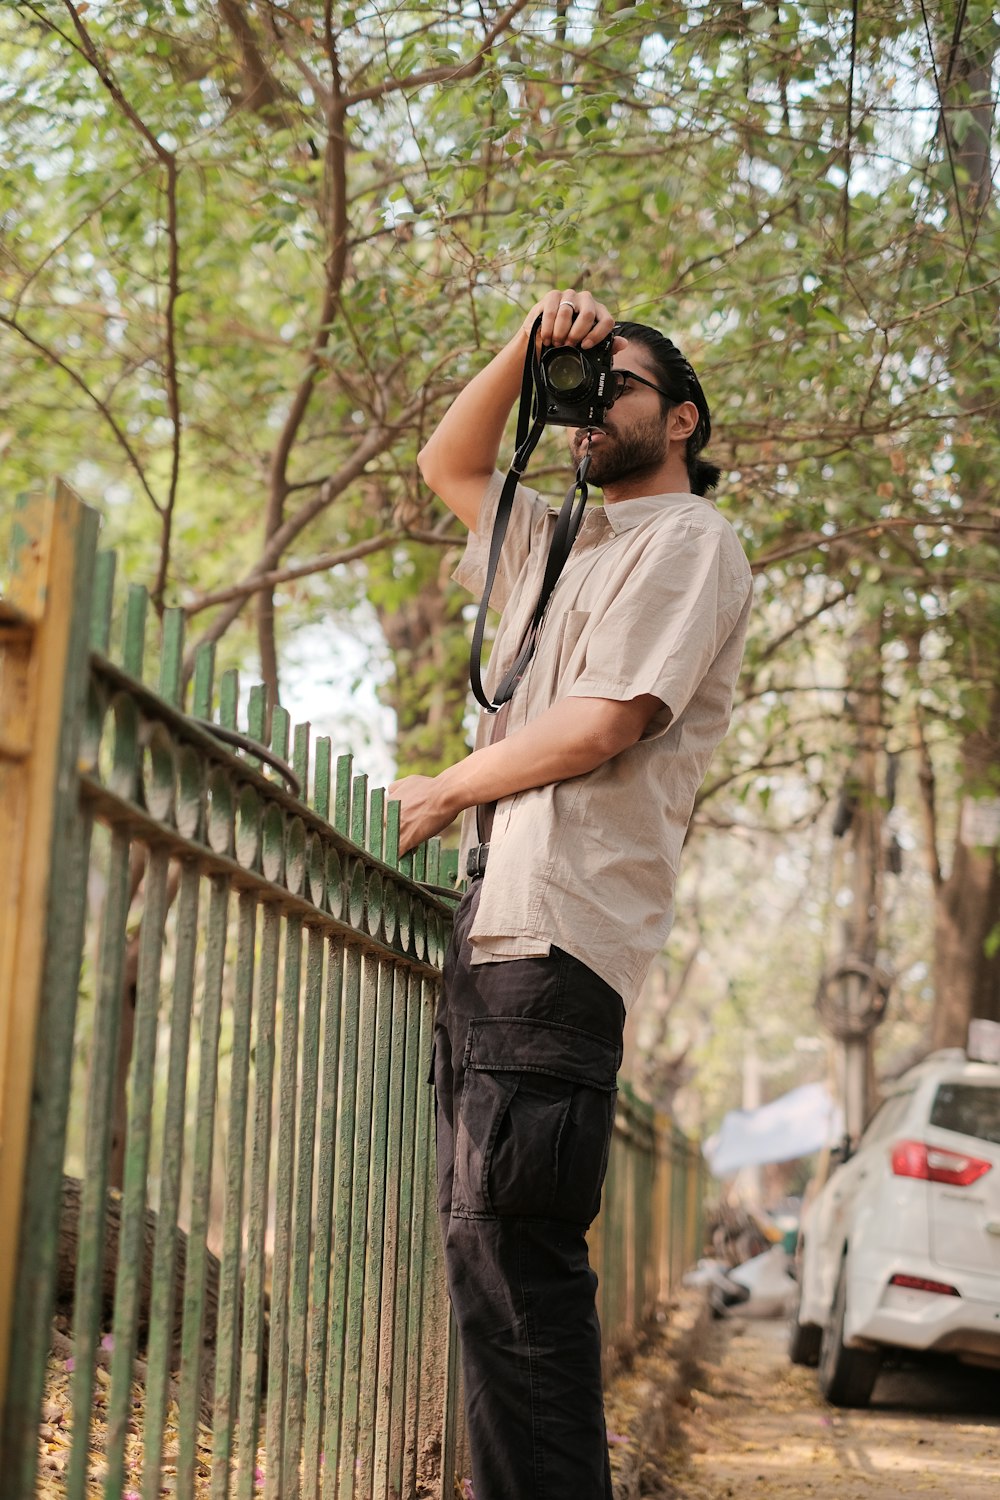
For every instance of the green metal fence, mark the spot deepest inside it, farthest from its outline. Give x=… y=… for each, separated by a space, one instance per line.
x=215 y=1159
x=650 y=1227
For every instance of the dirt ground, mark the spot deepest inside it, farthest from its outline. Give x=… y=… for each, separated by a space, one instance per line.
x=755 y=1428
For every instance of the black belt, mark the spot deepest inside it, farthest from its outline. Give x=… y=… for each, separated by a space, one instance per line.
x=475 y=864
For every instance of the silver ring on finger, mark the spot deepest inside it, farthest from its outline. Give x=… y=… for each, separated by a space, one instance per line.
x=569 y=304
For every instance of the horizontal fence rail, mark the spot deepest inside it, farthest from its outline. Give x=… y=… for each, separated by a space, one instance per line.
x=220 y=1270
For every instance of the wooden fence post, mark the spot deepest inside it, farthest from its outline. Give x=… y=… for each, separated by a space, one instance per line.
x=43 y=654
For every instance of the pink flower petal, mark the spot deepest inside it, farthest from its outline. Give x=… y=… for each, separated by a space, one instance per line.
x=616 y=1437
x=71 y=1363
x=258 y=1476
x=108 y=1341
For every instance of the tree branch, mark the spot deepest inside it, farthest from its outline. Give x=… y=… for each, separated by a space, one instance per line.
x=64 y=239
x=443 y=74
x=374 y=443
x=762 y=768
x=775 y=646
x=257 y=582
x=168 y=160
x=335 y=175
x=109 y=81
x=868 y=528
x=263 y=92
x=173 y=383
x=60 y=364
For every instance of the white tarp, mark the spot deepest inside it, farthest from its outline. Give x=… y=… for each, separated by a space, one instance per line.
x=800 y=1122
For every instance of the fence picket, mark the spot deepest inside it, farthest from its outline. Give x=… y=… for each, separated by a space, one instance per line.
x=342 y=1210
x=257 y=1203
x=105 y=568
x=300 y=758
x=90 y=1257
x=321 y=779
x=161 y=1315
x=204 y=676
x=283 y=1189
x=172 y=656
x=126 y=1316
x=229 y=698
x=355 y=1248
x=134 y=644
x=230 y=1291
x=342 y=803
x=388 y=1347
x=293 y=1413
x=329 y=1156
x=201 y=1185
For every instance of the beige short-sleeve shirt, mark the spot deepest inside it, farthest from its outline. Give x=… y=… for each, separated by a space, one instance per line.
x=654 y=599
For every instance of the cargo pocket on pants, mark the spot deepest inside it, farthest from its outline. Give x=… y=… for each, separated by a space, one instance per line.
x=535 y=1120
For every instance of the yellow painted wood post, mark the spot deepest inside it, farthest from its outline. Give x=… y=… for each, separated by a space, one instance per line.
x=661 y=1210
x=695 y=1187
x=53 y=548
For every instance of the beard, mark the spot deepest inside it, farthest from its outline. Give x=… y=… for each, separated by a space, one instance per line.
x=639 y=450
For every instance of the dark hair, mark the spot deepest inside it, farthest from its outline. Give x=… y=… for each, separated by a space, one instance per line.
x=678 y=378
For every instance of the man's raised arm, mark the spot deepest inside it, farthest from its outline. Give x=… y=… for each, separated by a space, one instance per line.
x=461 y=454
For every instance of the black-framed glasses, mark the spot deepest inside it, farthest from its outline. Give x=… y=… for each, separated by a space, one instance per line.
x=620 y=378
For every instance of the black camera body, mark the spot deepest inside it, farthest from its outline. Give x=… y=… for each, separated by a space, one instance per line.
x=577 y=383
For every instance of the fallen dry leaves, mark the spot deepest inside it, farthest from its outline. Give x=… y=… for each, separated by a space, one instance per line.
x=55 y=1435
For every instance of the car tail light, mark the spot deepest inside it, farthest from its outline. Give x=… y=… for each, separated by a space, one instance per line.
x=921 y=1284
x=915 y=1159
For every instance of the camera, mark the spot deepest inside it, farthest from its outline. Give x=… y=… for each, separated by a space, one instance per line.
x=578 y=384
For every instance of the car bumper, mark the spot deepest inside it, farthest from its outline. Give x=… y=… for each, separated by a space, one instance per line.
x=968 y=1324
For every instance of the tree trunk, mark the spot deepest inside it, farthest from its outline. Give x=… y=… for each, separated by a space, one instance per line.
x=68 y=1254
x=428 y=690
x=862 y=933
x=967 y=903
x=967 y=915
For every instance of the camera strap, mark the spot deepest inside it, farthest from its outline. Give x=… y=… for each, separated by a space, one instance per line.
x=530 y=424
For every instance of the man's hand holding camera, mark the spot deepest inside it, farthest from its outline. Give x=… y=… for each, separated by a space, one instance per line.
x=571 y=317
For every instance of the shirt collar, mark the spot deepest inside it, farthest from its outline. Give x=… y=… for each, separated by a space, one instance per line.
x=625 y=515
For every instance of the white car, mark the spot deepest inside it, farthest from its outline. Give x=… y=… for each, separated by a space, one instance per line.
x=900 y=1249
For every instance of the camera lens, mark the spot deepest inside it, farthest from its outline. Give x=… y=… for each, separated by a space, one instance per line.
x=566 y=373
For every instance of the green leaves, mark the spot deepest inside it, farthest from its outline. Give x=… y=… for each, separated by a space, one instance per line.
x=688 y=166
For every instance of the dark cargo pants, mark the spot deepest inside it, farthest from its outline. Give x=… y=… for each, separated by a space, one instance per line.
x=526 y=1055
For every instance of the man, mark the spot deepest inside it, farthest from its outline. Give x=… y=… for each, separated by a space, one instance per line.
x=576 y=800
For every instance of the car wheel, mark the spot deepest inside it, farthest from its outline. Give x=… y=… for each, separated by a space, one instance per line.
x=846 y=1376
x=803 y=1339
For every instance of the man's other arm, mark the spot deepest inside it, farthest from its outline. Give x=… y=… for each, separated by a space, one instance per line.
x=574 y=736
x=460 y=456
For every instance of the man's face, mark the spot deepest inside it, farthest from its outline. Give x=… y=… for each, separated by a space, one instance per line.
x=632 y=440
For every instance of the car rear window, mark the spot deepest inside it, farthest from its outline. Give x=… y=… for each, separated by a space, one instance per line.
x=969 y=1108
